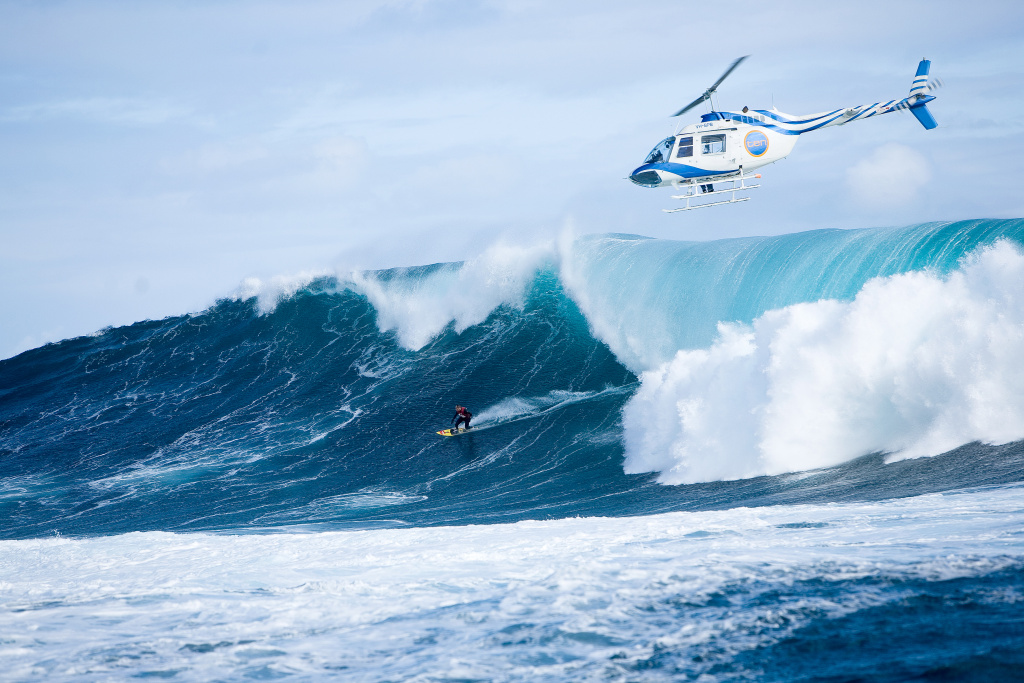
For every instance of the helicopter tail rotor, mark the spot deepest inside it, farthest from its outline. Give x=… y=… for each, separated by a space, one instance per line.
x=707 y=93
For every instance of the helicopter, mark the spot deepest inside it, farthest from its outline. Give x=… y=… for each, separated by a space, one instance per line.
x=727 y=145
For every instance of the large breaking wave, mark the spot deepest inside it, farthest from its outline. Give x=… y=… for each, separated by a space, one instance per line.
x=917 y=364
x=600 y=369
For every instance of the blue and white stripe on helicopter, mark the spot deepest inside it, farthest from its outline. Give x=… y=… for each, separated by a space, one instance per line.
x=727 y=145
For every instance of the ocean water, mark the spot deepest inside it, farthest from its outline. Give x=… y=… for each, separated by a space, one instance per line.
x=775 y=459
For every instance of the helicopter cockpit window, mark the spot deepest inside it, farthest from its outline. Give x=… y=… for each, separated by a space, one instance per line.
x=660 y=153
x=685 y=147
x=712 y=144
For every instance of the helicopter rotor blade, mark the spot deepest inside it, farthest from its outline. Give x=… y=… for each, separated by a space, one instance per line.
x=707 y=93
x=727 y=72
x=693 y=104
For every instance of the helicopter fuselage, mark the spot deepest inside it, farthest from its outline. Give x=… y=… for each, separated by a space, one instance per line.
x=727 y=145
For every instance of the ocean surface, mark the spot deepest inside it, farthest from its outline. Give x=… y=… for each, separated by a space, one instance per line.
x=792 y=458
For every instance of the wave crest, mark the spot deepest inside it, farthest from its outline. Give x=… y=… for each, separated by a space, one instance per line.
x=418 y=305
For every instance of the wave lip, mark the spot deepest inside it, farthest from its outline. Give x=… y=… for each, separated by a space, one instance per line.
x=648 y=298
x=418 y=304
x=917 y=364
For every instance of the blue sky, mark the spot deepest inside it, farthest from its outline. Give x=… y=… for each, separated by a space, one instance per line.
x=152 y=155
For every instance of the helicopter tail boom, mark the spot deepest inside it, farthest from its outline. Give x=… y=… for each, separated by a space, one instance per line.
x=914 y=103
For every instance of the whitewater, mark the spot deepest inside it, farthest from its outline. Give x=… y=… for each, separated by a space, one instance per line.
x=780 y=458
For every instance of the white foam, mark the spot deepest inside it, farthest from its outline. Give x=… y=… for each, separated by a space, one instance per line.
x=327 y=509
x=269 y=293
x=419 y=308
x=915 y=365
x=571 y=599
x=419 y=305
x=519 y=407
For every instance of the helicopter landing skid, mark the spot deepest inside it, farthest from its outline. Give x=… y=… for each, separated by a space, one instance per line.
x=691 y=192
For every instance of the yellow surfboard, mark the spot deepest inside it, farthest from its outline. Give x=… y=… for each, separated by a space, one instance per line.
x=452 y=432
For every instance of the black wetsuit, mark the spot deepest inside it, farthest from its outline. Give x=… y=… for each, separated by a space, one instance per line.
x=462 y=416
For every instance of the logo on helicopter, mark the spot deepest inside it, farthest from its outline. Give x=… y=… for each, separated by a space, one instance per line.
x=756 y=143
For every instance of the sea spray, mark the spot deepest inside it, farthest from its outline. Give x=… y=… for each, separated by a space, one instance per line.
x=917 y=364
x=418 y=304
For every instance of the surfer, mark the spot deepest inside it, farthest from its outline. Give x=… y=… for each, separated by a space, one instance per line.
x=462 y=414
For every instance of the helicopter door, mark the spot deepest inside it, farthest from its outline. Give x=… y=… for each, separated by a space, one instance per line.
x=733 y=147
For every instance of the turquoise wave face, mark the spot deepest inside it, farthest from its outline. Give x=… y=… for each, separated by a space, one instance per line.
x=676 y=293
x=307 y=413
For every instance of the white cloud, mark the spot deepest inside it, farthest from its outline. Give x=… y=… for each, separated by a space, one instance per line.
x=890 y=177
